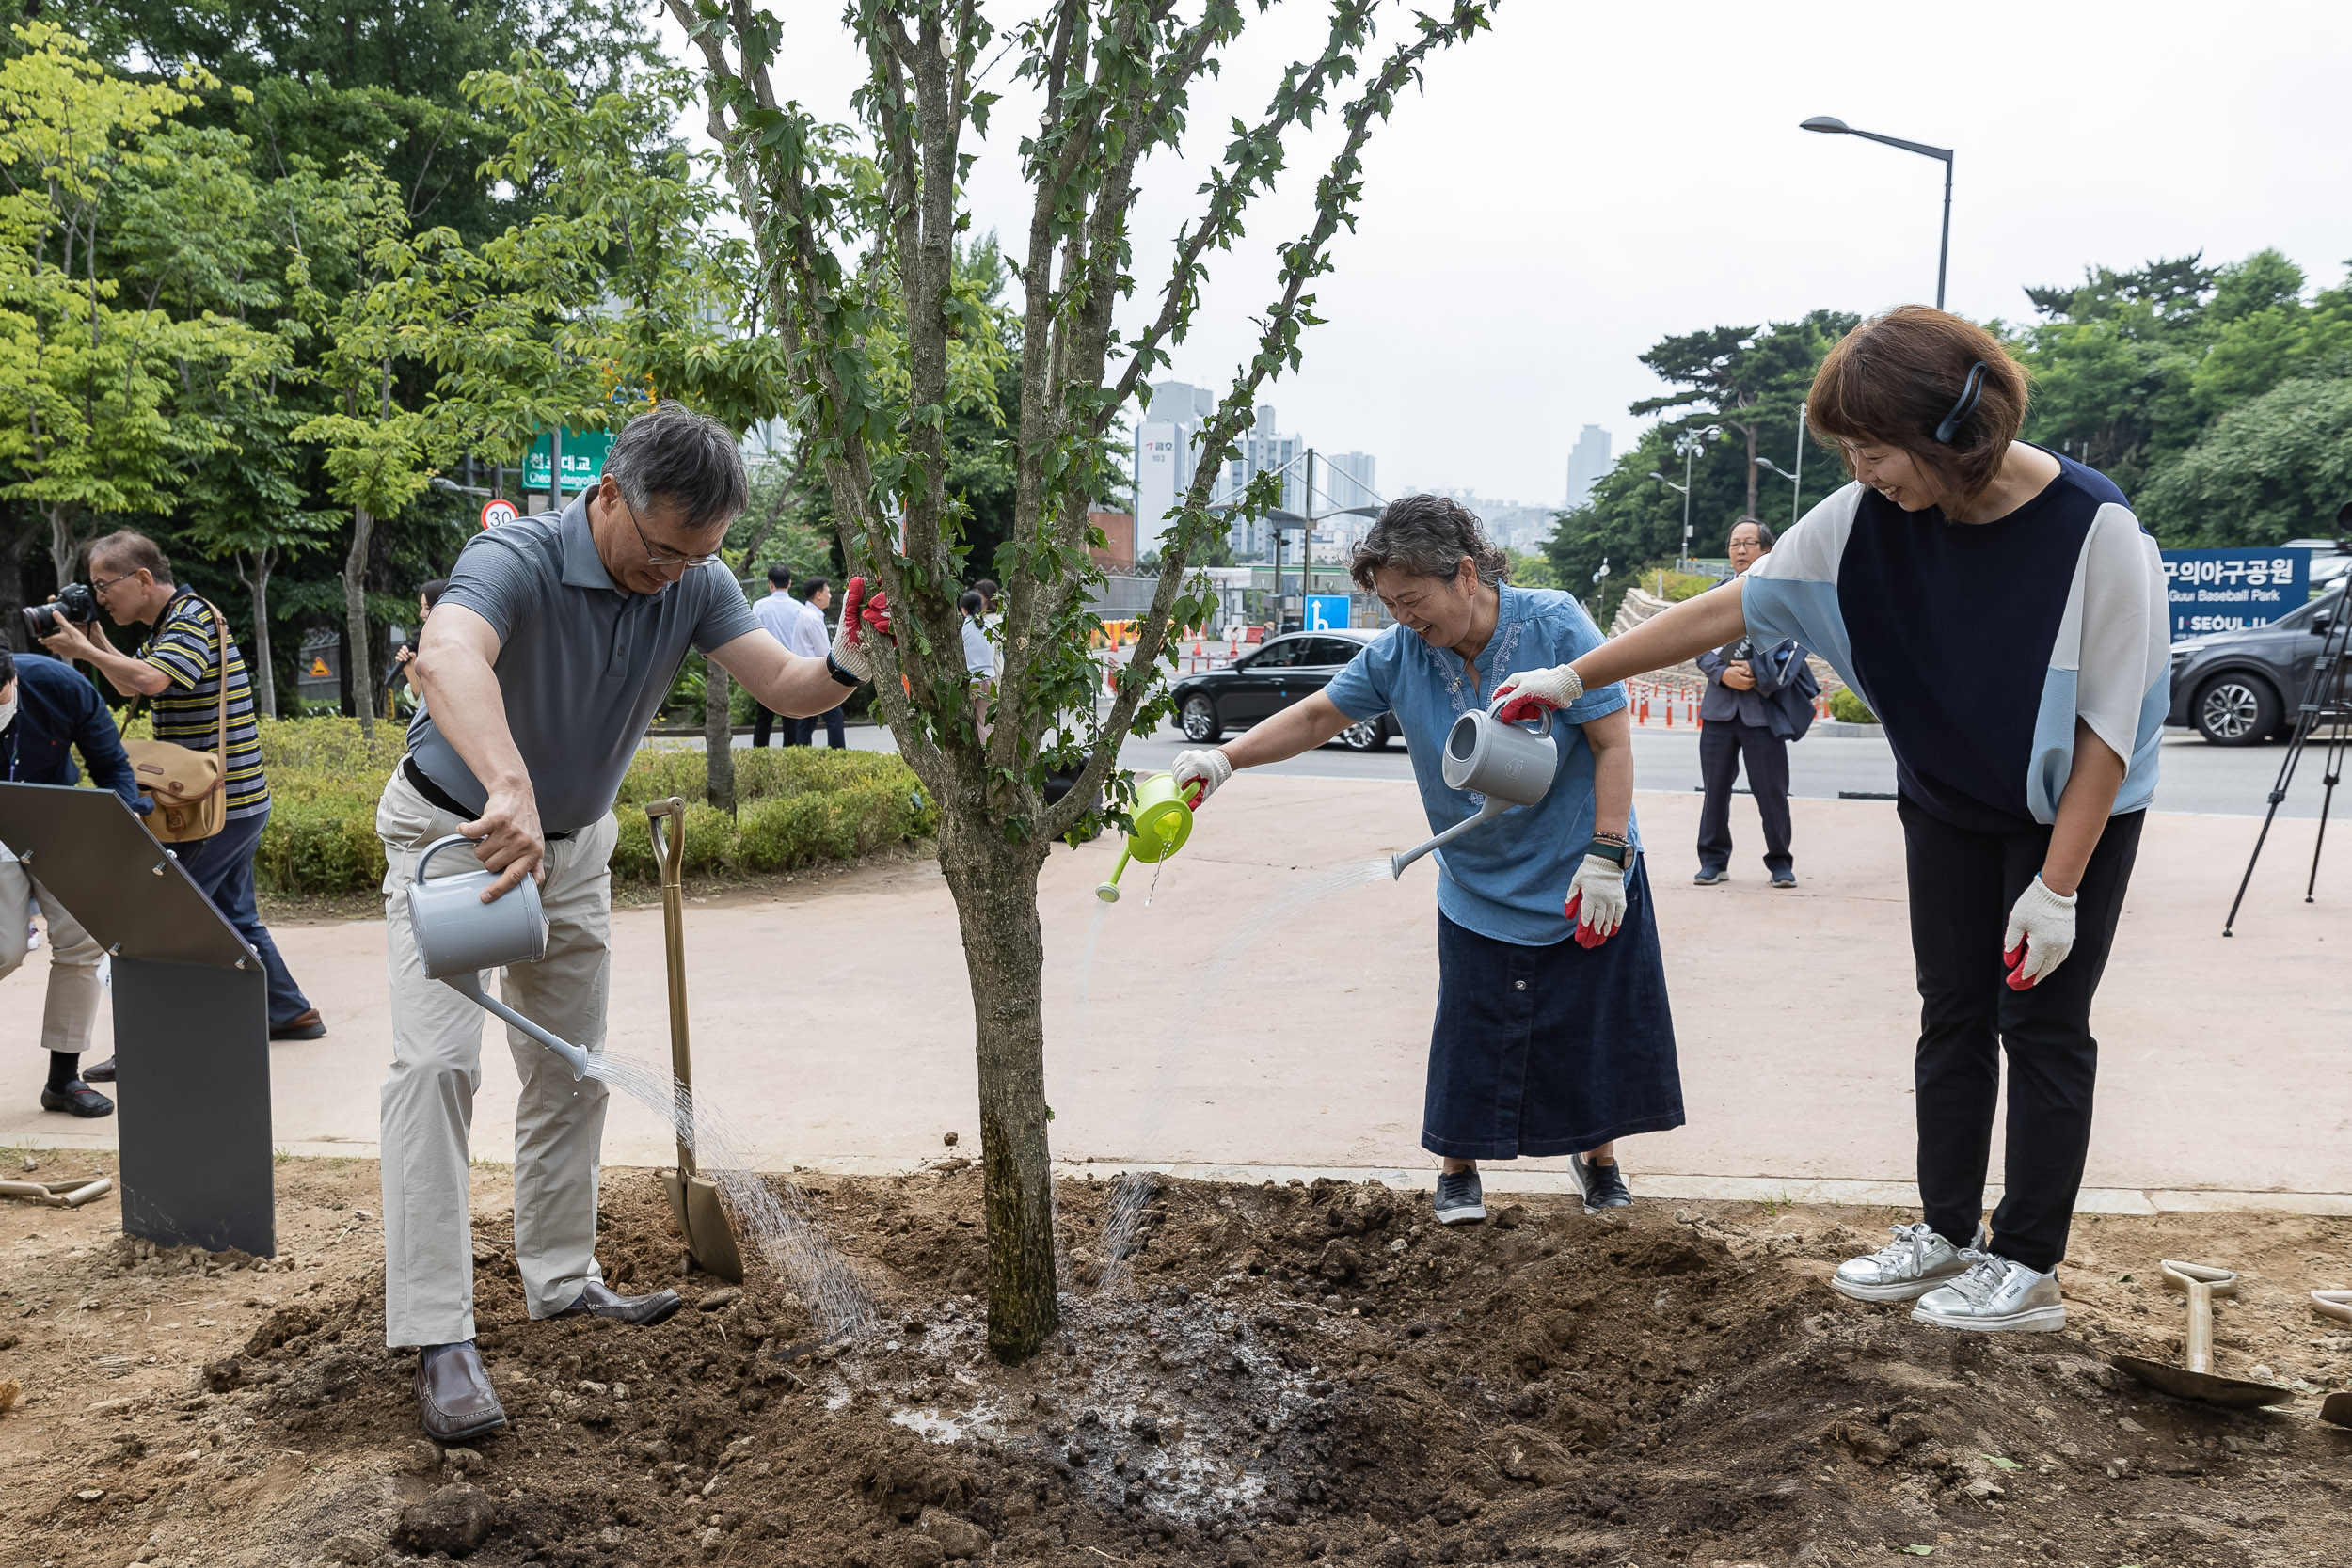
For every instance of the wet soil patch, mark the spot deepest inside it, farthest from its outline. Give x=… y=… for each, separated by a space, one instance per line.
x=1284 y=1374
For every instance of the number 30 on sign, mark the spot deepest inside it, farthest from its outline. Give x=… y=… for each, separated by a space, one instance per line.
x=497 y=512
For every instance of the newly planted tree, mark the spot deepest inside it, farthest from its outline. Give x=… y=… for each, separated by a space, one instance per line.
x=857 y=231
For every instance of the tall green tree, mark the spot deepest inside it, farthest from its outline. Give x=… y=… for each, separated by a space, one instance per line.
x=870 y=308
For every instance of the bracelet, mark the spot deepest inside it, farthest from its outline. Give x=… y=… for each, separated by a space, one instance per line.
x=1612 y=838
x=834 y=667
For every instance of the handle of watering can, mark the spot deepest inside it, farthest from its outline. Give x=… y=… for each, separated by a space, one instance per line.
x=1543 y=715
x=669 y=847
x=426 y=854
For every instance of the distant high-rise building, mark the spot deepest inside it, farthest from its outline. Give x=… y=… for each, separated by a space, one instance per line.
x=1166 y=447
x=1587 y=461
x=1349 y=482
x=1264 y=450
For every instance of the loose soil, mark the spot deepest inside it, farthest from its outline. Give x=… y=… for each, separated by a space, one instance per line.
x=1289 y=1374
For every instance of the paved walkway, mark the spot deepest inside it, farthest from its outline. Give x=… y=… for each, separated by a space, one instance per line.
x=1269 y=1007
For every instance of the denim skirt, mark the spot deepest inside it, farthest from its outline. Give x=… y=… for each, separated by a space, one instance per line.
x=1548 y=1050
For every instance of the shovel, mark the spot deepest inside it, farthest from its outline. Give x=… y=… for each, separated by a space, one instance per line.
x=2196 y=1380
x=694 y=1197
x=2337 y=1305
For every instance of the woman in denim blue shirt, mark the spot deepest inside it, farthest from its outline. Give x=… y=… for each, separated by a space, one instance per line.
x=1543 y=1046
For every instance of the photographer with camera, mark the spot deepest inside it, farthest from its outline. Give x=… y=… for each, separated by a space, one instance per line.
x=182 y=668
x=47 y=711
x=1758 y=700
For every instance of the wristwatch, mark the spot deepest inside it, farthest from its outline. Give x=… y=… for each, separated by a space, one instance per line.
x=833 y=668
x=1611 y=850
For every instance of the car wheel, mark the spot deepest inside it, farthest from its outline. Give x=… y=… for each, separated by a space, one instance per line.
x=2235 y=710
x=1200 y=721
x=1368 y=735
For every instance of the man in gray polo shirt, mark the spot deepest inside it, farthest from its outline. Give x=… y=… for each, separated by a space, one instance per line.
x=546 y=658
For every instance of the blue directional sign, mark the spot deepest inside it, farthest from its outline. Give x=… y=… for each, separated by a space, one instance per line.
x=2213 y=591
x=1327 y=611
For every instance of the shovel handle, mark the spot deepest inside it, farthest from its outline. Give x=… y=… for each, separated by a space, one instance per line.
x=669 y=847
x=2203 y=1282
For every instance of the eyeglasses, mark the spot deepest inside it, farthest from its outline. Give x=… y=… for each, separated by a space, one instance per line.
x=661 y=557
x=98 y=590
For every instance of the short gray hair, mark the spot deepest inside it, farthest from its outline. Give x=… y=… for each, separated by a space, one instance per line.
x=670 y=453
x=1428 y=536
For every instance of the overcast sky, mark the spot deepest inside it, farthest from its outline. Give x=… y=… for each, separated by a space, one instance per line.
x=1586 y=178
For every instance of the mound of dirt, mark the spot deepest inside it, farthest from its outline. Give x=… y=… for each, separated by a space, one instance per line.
x=1279 y=1374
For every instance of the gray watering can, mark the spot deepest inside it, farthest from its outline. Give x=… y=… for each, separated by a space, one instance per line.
x=458 y=936
x=1509 y=765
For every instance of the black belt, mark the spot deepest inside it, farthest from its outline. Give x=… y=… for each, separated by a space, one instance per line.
x=436 y=795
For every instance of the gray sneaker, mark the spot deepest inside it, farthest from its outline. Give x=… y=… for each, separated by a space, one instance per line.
x=1996 y=1295
x=1916 y=1261
x=1460 y=1198
x=1600 y=1186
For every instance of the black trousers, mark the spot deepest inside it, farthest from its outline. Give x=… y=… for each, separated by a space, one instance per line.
x=836 y=734
x=763 y=722
x=1721 y=744
x=1963 y=885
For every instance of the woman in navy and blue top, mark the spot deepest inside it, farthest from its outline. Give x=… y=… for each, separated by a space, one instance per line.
x=2003 y=613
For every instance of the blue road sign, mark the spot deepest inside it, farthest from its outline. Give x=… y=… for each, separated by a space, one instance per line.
x=1327 y=611
x=2231 y=589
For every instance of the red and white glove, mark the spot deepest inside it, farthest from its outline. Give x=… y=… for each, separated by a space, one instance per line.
x=1597 y=900
x=1531 y=692
x=1198 y=774
x=2041 y=933
x=861 y=617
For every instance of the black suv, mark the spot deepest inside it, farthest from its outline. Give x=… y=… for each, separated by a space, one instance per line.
x=1269 y=678
x=2240 y=687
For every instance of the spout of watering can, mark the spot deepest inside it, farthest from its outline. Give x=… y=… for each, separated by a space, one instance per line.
x=1493 y=808
x=1108 y=891
x=469 y=987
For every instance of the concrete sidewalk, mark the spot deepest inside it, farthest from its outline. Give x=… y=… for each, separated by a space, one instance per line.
x=1270 y=1008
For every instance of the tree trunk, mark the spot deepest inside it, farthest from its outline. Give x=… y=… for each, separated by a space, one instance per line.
x=16 y=537
x=995 y=882
x=718 y=738
x=257 y=666
x=356 y=620
x=65 y=540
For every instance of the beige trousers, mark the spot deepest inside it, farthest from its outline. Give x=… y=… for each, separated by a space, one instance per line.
x=437 y=1065
x=74 y=989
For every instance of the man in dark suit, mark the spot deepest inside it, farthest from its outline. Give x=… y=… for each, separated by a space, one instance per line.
x=48 y=711
x=1737 y=716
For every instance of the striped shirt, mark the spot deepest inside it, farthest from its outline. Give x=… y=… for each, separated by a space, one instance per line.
x=188 y=712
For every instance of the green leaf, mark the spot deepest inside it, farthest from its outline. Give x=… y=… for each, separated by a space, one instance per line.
x=1920 y=1551
x=2000 y=1464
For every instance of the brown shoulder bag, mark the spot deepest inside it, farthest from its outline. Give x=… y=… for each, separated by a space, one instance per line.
x=189 y=787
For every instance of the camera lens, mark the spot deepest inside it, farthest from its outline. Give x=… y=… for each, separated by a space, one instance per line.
x=40 y=619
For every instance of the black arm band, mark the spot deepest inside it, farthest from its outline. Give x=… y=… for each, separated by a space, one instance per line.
x=833 y=668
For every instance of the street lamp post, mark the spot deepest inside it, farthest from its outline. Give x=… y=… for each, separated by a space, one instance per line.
x=1831 y=125
x=1796 y=480
x=1687 y=445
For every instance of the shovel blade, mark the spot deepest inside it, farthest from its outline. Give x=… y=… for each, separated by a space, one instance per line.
x=2337 y=1409
x=2229 y=1393
x=702 y=1219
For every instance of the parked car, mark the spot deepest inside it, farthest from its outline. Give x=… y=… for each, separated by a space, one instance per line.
x=2240 y=687
x=1269 y=678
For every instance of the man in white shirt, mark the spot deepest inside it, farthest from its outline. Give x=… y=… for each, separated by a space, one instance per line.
x=780 y=612
x=811 y=633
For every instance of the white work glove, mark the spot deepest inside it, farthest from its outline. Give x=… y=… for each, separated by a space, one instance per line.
x=1531 y=692
x=2041 y=933
x=1200 y=770
x=1597 y=900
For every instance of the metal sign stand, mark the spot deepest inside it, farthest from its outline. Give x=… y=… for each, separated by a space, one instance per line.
x=191 y=1009
x=2323 y=703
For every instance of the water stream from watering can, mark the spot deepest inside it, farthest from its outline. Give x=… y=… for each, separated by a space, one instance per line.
x=770 y=1212
x=1132 y=1194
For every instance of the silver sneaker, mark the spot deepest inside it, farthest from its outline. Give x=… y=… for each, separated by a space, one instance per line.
x=1996 y=1295
x=1916 y=1261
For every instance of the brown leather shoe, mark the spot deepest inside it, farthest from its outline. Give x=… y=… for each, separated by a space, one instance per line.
x=644 y=1311
x=305 y=1025
x=455 y=1396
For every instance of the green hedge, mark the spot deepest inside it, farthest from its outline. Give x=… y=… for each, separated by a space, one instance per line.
x=796 y=806
x=1845 y=703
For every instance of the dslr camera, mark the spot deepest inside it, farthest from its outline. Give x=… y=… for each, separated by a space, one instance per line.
x=75 y=603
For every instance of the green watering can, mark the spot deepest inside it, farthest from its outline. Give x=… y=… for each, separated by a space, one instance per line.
x=1163 y=822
